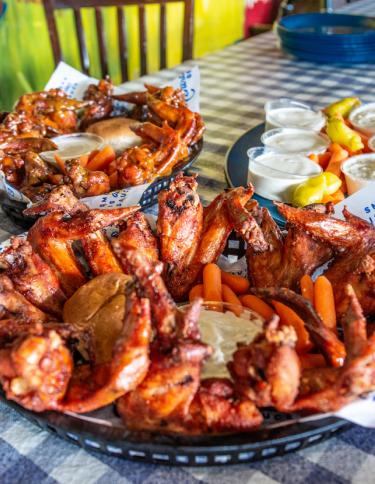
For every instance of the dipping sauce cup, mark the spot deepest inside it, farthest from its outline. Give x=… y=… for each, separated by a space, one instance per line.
x=287 y=113
x=275 y=175
x=292 y=140
x=359 y=171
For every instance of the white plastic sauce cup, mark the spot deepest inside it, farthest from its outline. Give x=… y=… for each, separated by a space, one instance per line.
x=275 y=175
x=355 y=169
x=287 y=113
x=293 y=140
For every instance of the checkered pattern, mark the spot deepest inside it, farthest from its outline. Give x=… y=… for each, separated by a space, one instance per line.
x=236 y=82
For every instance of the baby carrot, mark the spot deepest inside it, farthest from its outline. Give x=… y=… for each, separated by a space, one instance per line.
x=230 y=297
x=60 y=163
x=324 y=159
x=102 y=159
x=290 y=318
x=212 y=283
x=257 y=305
x=307 y=288
x=195 y=292
x=336 y=197
x=312 y=360
x=238 y=284
x=324 y=302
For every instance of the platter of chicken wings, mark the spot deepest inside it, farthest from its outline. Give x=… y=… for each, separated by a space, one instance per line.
x=98 y=145
x=104 y=335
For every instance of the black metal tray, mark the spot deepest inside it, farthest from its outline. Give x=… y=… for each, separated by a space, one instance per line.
x=113 y=438
x=14 y=210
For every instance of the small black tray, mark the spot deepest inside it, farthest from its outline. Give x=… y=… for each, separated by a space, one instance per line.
x=14 y=210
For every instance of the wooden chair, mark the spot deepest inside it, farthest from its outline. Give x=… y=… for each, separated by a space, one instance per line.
x=51 y=5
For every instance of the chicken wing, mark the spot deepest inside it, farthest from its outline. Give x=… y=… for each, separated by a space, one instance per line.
x=135 y=234
x=179 y=226
x=267 y=371
x=13 y=305
x=35 y=371
x=32 y=277
x=52 y=237
x=86 y=183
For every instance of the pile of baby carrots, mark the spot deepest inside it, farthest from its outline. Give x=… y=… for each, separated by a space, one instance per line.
x=220 y=286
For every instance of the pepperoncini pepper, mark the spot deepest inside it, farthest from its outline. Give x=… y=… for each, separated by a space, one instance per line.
x=342 y=108
x=340 y=133
x=314 y=189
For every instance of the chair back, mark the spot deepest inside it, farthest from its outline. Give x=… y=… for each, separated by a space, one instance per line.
x=50 y=6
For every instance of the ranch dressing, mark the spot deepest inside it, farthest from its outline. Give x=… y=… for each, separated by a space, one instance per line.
x=359 y=171
x=288 y=113
x=70 y=146
x=275 y=175
x=222 y=331
x=289 y=140
x=363 y=118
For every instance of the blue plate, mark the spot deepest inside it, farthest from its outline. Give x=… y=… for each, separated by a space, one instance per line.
x=320 y=26
x=236 y=165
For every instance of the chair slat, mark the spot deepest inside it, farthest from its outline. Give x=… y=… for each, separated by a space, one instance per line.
x=163 y=35
x=123 y=48
x=101 y=41
x=142 y=39
x=188 y=30
x=76 y=5
x=83 y=54
x=50 y=17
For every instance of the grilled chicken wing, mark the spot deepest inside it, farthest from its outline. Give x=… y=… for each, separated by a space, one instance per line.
x=354 y=241
x=281 y=262
x=99 y=254
x=356 y=377
x=135 y=234
x=86 y=183
x=52 y=237
x=179 y=226
x=14 y=305
x=35 y=371
x=267 y=371
x=32 y=277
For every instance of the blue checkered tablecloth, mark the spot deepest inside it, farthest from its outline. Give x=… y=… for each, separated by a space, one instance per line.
x=236 y=82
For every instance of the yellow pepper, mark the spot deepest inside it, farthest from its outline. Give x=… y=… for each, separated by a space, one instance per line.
x=342 y=107
x=340 y=133
x=314 y=189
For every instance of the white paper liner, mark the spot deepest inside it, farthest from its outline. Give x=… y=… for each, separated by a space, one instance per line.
x=75 y=83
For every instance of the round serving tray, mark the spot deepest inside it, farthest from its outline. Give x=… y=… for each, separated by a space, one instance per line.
x=14 y=210
x=103 y=431
x=237 y=162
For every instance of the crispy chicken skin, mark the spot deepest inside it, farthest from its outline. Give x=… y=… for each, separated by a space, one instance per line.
x=354 y=242
x=14 y=305
x=135 y=234
x=181 y=228
x=32 y=277
x=35 y=371
x=267 y=371
x=99 y=254
x=52 y=237
x=282 y=261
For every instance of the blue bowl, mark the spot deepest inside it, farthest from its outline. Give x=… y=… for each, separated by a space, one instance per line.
x=325 y=58
x=320 y=26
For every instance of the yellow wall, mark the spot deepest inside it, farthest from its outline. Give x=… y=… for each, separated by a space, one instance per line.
x=26 y=59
